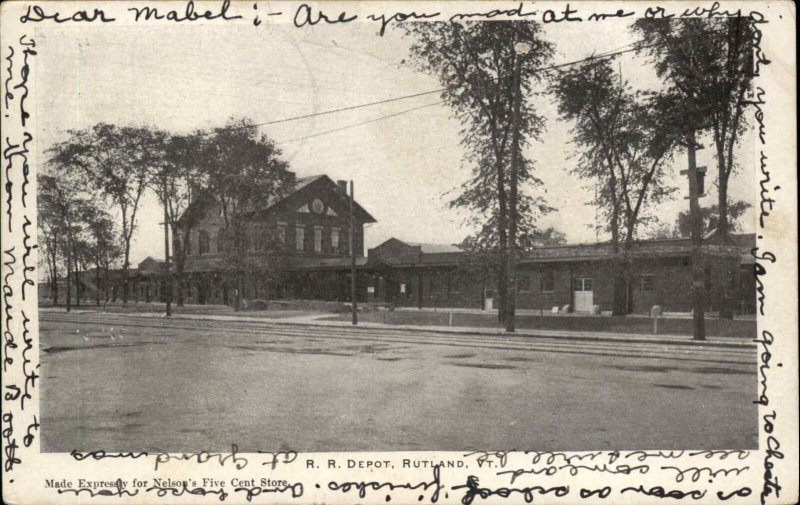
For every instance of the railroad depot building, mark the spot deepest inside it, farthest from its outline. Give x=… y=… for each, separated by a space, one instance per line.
x=298 y=248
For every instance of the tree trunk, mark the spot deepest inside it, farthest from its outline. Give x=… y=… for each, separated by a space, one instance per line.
x=630 y=228
x=97 y=283
x=181 y=286
x=502 y=281
x=105 y=282
x=627 y=280
x=125 y=267
x=54 y=290
x=619 y=304
x=512 y=232
x=726 y=304
x=238 y=298
x=620 y=289
x=238 y=243
x=54 y=276
x=620 y=286
x=722 y=203
x=76 y=273
x=69 y=280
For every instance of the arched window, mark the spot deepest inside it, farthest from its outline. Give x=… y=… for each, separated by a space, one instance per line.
x=205 y=243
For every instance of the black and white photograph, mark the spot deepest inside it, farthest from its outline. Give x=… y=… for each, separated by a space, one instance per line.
x=483 y=226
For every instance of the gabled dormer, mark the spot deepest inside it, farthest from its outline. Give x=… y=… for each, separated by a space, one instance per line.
x=313 y=218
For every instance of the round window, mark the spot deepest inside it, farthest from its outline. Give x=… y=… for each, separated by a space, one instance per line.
x=317 y=206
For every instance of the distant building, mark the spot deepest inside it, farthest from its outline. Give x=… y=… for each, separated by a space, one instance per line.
x=298 y=247
x=580 y=276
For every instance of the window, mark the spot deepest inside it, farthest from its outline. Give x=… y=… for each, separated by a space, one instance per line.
x=189 y=245
x=701 y=183
x=300 y=239
x=281 y=233
x=548 y=283
x=318 y=239
x=582 y=284
x=335 y=240
x=205 y=243
x=523 y=283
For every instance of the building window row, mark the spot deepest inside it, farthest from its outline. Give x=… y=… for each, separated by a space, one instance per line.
x=264 y=239
x=322 y=240
x=334 y=239
x=203 y=243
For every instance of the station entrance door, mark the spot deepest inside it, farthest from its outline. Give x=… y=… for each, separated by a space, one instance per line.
x=583 y=294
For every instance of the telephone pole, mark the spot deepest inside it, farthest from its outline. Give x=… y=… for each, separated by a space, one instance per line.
x=167 y=280
x=521 y=49
x=698 y=283
x=353 y=287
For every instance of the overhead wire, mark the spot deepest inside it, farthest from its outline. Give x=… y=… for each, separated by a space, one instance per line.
x=422 y=93
x=359 y=124
x=606 y=54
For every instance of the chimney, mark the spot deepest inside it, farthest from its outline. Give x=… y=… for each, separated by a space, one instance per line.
x=342 y=186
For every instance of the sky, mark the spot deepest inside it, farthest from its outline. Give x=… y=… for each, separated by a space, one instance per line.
x=405 y=168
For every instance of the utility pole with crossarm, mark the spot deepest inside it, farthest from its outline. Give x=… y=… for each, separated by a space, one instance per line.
x=698 y=283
